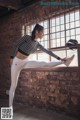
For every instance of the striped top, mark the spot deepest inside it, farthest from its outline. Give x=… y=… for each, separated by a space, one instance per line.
x=27 y=46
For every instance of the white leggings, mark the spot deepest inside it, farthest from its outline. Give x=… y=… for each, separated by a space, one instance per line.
x=16 y=68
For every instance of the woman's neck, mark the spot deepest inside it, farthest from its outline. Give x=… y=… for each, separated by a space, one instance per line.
x=36 y=38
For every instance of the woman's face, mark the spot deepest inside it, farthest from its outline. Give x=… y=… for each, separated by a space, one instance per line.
x=40 y=34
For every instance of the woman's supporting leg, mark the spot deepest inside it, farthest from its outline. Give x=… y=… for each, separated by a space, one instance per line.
x=15 y=71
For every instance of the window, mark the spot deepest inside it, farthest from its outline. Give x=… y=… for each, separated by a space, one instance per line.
x=57 y=31
x=23 y=31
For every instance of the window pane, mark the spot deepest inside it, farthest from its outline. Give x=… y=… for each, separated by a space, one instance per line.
x=45 y=24
x=52 y=22
x=72 y=25
x=67 y=26
x=71 y=17
x=62 y=27
x=58 y=42
x=62 y=20
x=52 y=36
x=67 y=18
x=53 y=43
x=52 y=29
x=77 y=23
x=72 y=32
x=23 y=31
x=45 y=31
x=77 y=15
x=32 y=57
x=67 y=38
x=62 y=34
x=62 y=41
x=28 y=30
x=68 y=33
x=58 y=35
x=43 y=57
x=57 y=21
x=46 y=44
x=57 y=28
x=73 y=37
x=77 y=30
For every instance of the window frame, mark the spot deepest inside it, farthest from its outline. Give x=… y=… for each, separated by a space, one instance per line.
x=59 y=16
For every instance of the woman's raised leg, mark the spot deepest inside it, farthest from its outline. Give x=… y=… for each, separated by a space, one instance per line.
x=36 y=64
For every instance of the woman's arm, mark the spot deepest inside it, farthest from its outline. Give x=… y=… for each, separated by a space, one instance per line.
x=48 y=52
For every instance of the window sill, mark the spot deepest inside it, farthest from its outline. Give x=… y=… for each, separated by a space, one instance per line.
x=50 y=69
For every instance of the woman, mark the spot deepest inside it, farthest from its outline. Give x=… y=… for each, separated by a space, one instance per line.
x=19 y=59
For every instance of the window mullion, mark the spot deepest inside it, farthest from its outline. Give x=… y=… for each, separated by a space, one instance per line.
x=65 y=30
x=49 y=39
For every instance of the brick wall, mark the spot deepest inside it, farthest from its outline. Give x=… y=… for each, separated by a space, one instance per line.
x=48 y=88
x=56 y=88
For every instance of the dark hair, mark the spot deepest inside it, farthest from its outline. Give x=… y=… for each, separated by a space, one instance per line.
x=38 y=28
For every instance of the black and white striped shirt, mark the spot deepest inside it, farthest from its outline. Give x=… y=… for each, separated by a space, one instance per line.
x=28 y=46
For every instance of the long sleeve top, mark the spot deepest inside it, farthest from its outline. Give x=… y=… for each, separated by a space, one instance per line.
x=27 y=46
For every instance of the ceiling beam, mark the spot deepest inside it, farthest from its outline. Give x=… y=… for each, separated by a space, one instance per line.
x=13 y=4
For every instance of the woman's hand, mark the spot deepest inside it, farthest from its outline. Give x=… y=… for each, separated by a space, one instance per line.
x=11 y=61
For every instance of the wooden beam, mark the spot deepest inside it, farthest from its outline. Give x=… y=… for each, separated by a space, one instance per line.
x=13 y=4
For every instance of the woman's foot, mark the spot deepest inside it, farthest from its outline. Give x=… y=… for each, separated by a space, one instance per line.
x=69 y=60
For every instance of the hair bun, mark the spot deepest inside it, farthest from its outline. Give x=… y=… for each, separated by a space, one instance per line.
x=37 y=25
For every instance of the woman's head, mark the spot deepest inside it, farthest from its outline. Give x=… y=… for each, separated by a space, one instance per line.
x=37 y=32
